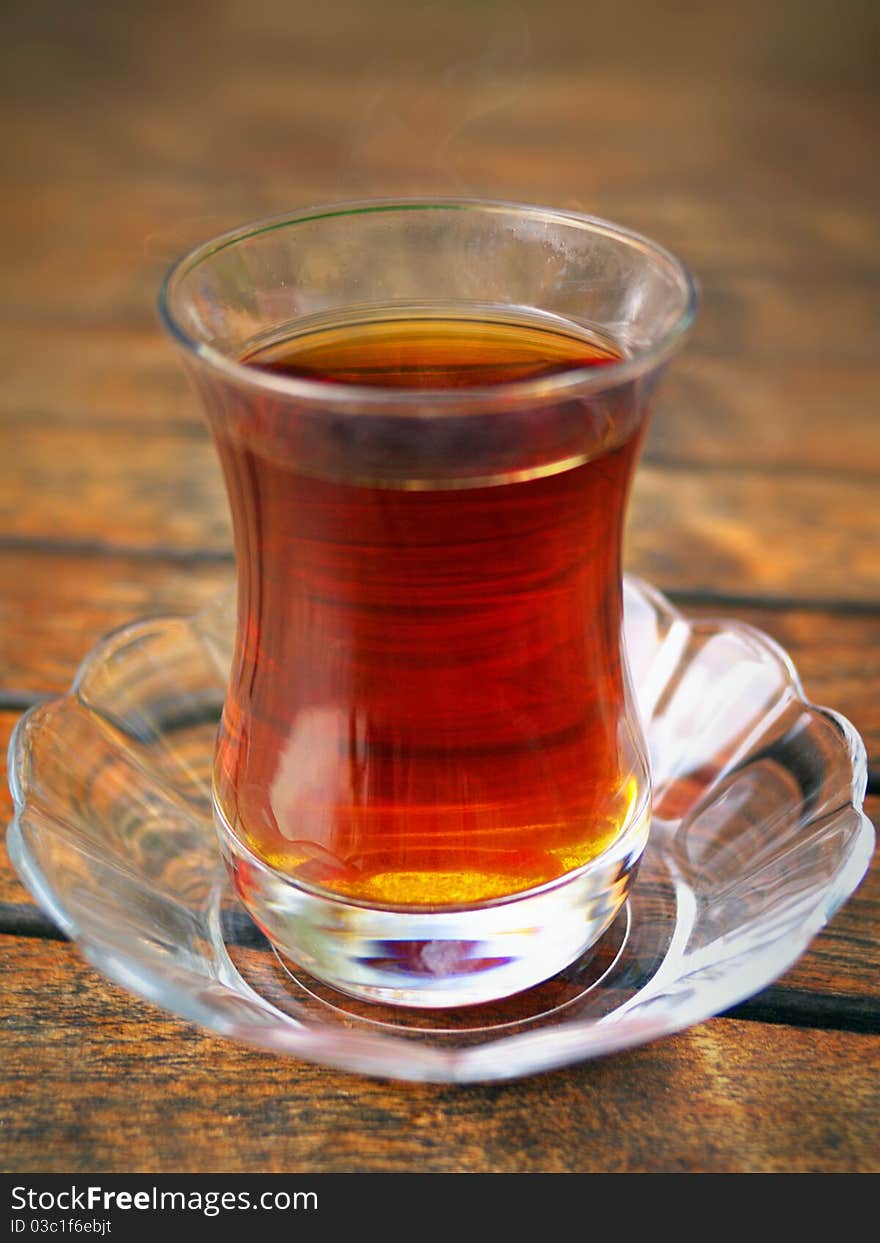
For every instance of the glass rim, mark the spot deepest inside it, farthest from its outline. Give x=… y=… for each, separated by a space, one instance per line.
x=576 y=380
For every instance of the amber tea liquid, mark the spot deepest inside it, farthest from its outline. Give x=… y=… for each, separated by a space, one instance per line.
x=427 y=689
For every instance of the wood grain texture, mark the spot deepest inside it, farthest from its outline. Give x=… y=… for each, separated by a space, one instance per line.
x=797 y=537
x=741 y=136
x=784 y=409
x=772 y=414
x=124 y=1088
x=690 y=529
x=114 y=488
x=56 y=605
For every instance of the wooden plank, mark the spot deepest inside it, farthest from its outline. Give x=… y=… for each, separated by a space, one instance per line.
x=792 y=42
x=55 y=607
x=95 y=1079
x=759 y=385
x=731 y=180
x=780 y=414
x=761 y=277
x=798 y=536
x=521 y=87
x=789 y=536
x=113 y=487
x=117 y=373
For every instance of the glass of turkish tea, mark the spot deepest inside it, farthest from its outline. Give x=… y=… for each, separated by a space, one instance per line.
x=430 y=784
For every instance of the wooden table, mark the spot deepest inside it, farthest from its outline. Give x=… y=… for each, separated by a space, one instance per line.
x=742 y=136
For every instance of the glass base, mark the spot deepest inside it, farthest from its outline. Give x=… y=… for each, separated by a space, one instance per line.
x=438 y=957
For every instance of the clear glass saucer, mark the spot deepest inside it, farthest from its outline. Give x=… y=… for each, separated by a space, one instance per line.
x=757 y=838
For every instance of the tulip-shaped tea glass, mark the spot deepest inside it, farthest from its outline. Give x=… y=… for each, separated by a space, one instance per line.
x=430 y=783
